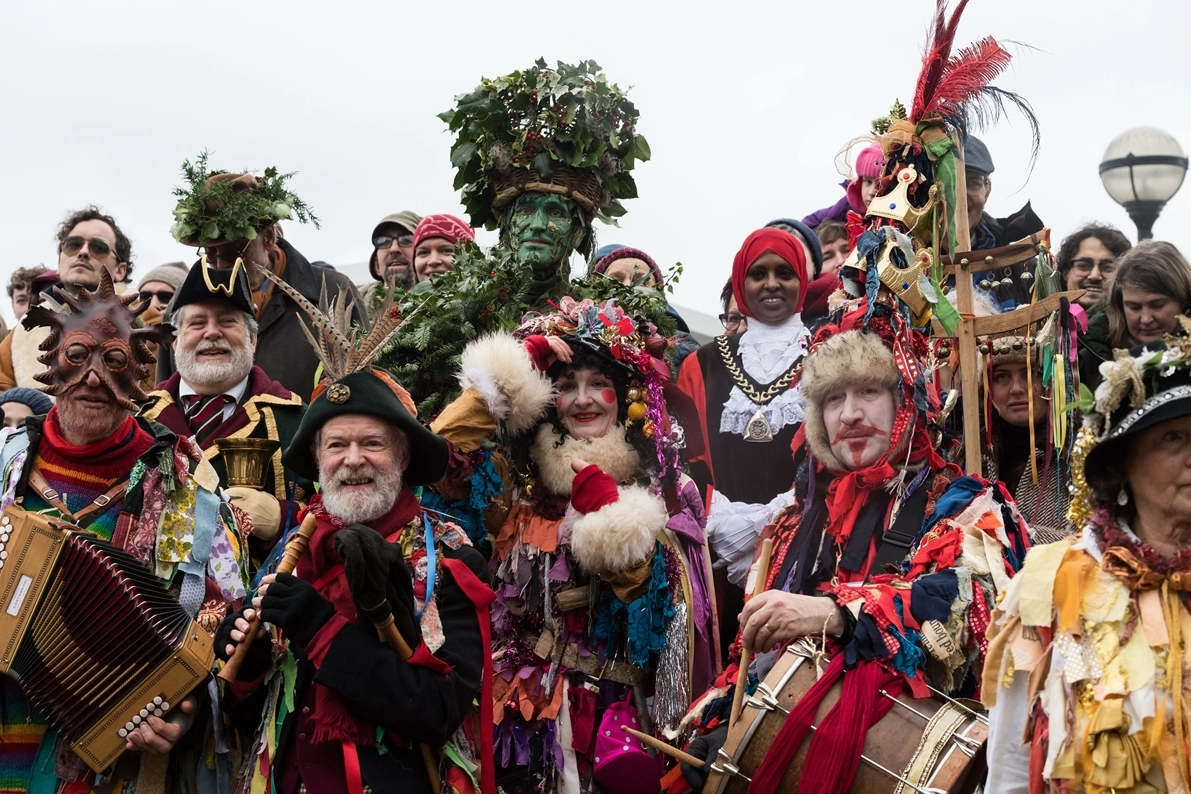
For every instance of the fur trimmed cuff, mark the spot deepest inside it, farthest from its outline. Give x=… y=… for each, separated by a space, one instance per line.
x=501 y=370
x=620 y=535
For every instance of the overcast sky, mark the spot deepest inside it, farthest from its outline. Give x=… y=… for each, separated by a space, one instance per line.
x=745 y=106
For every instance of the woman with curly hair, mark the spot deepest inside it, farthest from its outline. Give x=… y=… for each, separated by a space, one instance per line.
x=600 y=566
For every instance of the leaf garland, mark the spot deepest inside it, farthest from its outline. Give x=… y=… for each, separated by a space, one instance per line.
x=242 y=213
x=481 y=295
x=570 y=115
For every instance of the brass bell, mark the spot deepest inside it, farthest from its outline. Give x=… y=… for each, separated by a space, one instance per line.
x=1006 y=283
x=1027 y=276
x=1017 y=345
x=985 y=284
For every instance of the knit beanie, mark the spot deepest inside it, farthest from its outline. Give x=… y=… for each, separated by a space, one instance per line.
x=443 y=225
x=624 y=252
x=38 y=403
x=870 y=163
x=807 y=235
x=603 y=251
x=172 y=273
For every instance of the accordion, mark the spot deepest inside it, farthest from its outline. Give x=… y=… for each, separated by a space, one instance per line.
x=94 y=639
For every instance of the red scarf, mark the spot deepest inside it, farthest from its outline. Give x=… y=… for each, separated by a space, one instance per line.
x=779 y=242
x=321 y=566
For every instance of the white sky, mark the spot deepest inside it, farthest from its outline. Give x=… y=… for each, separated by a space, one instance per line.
x=745 y=106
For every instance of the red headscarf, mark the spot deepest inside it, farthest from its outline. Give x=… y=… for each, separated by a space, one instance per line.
x=779 y=242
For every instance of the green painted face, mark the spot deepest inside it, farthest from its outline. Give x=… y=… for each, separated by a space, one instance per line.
x=543 y=229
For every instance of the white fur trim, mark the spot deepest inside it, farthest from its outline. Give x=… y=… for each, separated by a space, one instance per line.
x=621 y=535
x=24 y=355
x=500 y=369
x=612 y=453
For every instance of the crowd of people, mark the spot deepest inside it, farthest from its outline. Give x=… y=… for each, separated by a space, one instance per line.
x=526 y=505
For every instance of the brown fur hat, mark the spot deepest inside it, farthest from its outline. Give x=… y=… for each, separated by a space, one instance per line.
x=848 y=357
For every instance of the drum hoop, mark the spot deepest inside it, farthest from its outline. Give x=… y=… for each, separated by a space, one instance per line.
x=936 y=736
x=803 y=653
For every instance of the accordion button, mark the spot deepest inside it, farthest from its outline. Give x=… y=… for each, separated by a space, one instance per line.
x=165 y=706
x=136 y=719
x=3 y=555
x=128 y=726
x=157 y=700
x=122 y=733
x=4 y=536
x=144 y=713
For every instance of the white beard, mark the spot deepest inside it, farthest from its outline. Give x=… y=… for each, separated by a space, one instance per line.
x=359 y=506
x=198 y=372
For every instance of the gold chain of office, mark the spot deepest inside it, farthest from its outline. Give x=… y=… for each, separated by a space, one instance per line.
x=740 y=379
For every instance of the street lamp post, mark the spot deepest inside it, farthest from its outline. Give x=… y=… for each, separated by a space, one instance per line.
x=1142 y=170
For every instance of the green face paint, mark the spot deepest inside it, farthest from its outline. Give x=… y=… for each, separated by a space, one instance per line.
x=543 y=229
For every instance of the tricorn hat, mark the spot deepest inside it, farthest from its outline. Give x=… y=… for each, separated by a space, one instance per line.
x=204 y=283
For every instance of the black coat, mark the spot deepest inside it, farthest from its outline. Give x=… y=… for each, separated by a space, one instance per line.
x=281 y=348
x=409 y=700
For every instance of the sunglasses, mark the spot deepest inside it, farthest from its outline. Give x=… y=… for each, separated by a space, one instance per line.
x=73 y=244
x=384 y=241
x=163 y=296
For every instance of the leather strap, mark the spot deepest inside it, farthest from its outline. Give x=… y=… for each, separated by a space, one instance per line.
x=82 y=518
x=897 y=539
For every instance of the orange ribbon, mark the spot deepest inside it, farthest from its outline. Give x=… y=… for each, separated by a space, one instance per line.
x=1136 y=575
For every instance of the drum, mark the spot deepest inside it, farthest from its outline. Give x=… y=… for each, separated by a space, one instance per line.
x=929 y=745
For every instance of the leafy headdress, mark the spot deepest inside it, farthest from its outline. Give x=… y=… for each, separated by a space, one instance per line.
x=565 y=130
x=218 y=207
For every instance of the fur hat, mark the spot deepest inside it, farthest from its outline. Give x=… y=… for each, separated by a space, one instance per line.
x=848 y=357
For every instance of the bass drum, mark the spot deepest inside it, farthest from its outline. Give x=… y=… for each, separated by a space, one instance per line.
x=929 y=745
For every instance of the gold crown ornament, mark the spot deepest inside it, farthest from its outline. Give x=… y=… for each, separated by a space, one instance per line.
x=895 y=205
x=910 y=284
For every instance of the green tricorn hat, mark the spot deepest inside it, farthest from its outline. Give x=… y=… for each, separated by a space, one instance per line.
x=372 y=392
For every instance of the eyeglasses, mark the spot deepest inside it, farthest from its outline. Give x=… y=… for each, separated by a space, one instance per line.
x=730 y=321
x=73 y=244
x=1107 y=266
x=163 y=296
x=384 y=241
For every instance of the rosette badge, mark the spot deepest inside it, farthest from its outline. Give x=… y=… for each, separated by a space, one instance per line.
x=565 y=130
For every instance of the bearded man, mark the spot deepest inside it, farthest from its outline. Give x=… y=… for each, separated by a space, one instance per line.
x=364 y=713
x=218 y=393
x=92 y=463
x=873 y=492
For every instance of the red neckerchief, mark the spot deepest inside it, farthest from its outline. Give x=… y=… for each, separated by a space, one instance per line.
x=322 y=565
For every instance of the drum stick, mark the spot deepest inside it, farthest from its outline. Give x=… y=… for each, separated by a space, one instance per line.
x=662 y=747
x=746 y=654
x=289 y=561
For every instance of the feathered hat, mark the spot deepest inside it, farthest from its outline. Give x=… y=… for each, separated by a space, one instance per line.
x=351 y=385
x=96 y=332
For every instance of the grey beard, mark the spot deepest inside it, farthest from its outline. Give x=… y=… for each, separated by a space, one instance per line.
x=359 y=508
x=200 y=373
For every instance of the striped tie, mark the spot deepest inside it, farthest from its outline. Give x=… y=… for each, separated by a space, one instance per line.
x=205 y=413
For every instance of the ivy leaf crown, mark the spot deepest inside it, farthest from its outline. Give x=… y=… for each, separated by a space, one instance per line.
x=241 y=214
x=545 y=119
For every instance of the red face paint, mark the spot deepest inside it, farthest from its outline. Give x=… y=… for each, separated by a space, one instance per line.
x=859 y=431
x=558 y=403
x=608 y=396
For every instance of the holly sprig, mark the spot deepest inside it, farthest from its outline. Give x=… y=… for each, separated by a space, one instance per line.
x=242 y=213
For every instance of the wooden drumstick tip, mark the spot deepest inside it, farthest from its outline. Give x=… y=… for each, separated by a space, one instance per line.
x=746 y=655
x=231 y=668
x=662 y=747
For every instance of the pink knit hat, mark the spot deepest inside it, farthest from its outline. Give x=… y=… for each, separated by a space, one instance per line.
x=870 y=162
x=443 y=225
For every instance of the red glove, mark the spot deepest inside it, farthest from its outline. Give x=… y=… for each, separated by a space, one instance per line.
x=593 y=489
x=539 y=351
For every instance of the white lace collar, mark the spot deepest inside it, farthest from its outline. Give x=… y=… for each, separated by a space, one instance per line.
x=766 y=353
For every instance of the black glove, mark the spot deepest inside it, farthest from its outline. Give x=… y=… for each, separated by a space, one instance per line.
x=379 y=579
x=706 y=747
x=296 y=608
x=257 y=660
